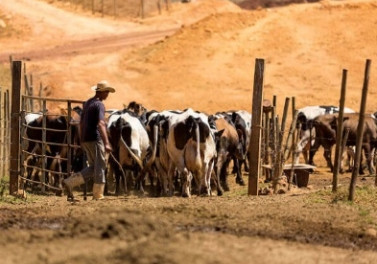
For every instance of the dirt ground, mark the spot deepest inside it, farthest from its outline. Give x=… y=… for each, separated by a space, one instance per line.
x=199 y=55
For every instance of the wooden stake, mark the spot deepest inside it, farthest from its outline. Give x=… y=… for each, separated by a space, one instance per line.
x=256 y=126
x=15 y=135
x=360 y=130
x=339 y=134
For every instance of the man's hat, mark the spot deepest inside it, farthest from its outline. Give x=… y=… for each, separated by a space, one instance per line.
x=103 y=86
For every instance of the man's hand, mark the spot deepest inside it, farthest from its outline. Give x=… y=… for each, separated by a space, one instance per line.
x=108 y=148
x=103 y=133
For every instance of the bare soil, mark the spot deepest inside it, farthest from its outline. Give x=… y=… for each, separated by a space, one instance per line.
x=199 y=55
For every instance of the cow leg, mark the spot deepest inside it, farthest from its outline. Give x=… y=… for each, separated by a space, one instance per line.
x=351 y=158
x=186 y=183
x=368 y=156
x=312 y=152
x=170 y=178
x=327 y=156
x=239 y=179
x=223 y=175
x=140 y=181
x=117 y=175
x=208 y=174
x=205 y=176
x=246 y=163
x=220 y=190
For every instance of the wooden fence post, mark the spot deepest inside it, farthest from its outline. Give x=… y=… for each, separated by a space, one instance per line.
x=339 y=133
x=15 y=127
x=256 y=126
x=7 y=129
x=360 y=130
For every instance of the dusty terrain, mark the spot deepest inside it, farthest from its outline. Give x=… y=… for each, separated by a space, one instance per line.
x=198 y=55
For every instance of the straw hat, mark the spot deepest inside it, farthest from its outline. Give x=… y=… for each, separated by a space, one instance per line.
x=103 y=86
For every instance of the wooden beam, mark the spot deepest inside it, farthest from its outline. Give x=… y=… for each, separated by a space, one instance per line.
x=360 y=130
x=15 y=128
x=339 y=134
x=256 y=127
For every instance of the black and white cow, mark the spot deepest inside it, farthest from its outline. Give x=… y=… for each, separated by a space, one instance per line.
x=131 y=147
x=56 y=135
x=162 y=161
x=191 y=146
x=305 y=118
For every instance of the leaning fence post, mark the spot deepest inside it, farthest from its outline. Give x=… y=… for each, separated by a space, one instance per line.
x=15 y=127
x=360 y=129
x=339 y=134
x=256 y=126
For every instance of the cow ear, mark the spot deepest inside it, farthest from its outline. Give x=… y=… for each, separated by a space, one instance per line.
x=219 y=133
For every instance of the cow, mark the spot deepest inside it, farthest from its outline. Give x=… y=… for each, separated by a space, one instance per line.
x=191 y=146
x=242 y=121
x=229 y=147
x=162 y=161
x=131 y=147
x=326 y=129
x=305 y=118
x=56 y=134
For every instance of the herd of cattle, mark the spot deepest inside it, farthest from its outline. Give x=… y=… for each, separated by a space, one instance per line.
x=182 y=151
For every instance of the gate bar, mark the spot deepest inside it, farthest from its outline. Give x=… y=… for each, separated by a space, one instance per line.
x=15 y=128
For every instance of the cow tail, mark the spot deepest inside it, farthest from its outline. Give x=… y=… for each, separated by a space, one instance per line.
x=133 y=155
x=154 y=151
x=198 y=160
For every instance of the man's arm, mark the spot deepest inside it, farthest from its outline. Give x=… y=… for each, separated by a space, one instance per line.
x=103 y=133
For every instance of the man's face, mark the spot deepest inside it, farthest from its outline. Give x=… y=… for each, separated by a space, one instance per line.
x=103 y=95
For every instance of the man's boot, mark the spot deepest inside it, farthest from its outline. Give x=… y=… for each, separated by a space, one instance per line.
x=98 y=189
x=75 y=180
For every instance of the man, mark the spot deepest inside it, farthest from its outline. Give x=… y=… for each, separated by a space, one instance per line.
x=94 y=142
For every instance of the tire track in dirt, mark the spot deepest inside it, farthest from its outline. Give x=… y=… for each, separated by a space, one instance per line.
x=94 y=45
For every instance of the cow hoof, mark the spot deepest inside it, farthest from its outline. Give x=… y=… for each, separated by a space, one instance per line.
x=240 y=181
x=185 y=195
x=219 y=192
x=72 y=199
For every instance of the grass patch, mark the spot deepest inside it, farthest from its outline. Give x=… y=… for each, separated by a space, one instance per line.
x=6 y=198
x=366 y=195
x=365 y=201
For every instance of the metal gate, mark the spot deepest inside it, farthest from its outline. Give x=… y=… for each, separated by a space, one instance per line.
x=44 y=146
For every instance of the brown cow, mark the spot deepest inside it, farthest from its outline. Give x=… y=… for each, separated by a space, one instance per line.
x=229 y=146
x=326 y=128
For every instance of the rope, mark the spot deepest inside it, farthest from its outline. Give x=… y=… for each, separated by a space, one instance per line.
x=121 y=168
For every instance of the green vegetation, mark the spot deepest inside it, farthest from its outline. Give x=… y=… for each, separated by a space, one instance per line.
x=365 y=201
x=366 y=195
